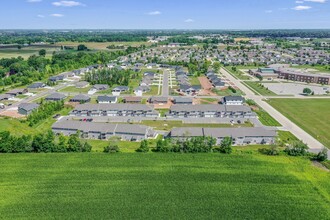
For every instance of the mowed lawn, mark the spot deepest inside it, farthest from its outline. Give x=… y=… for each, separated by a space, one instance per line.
x=161 y=186
x=310 y=114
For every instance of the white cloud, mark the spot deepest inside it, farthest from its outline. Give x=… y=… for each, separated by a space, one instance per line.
x=57 y=15
x=189 y=20
x=269 y=11
x=301 y=8
x=317 y=1
x=299 y=2
x=68 y=4
x=154 y=13
x=33 y=1
x=40 y=16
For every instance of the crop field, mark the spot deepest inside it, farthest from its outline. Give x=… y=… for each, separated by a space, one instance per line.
x=102 y=45
x=26 y=52
x=161 y=186
x=309 y=114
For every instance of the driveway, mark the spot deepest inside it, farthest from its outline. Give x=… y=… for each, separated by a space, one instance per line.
x=165 y=89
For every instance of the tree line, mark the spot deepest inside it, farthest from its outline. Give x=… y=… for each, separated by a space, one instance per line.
x=45 y=110
x=35 y=68
x=42 y=143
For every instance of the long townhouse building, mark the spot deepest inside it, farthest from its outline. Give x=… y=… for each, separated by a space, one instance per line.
x=103 y=131
x=210 y=111
x=114 y=110
x=240 y=136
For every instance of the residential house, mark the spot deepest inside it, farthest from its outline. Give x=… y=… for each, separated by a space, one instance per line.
x=182 y=101
x=27 y=108
x=158 y=100
x=132 y=100
x=233 y=100
x=16 y=92
x=81 y=98
x=82 y=84
x=106 y=99
x=100 y=87
x=37 y=85
x=55 y=97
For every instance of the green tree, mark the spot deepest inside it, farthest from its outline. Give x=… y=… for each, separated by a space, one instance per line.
x=307 y=91
x=322 y=155
x=216 y=66
x=42 y=52
x=82 y=47
x=144 y=147
x=226 y=145
x=112 y=148
x=296 y=148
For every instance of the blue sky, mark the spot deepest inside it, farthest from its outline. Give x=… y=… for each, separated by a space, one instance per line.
x=164 y=14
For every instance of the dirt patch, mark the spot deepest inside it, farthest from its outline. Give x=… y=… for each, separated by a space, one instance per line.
x=12 y=114
x=163 y=106
x=205 y=83
x=319 y=165
x=206 y=87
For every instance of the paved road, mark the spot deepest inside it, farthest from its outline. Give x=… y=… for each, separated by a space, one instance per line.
x=314 y=145
x=36 y=97
x=165 y=89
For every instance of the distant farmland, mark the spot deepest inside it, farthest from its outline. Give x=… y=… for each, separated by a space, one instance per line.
x=161 y=186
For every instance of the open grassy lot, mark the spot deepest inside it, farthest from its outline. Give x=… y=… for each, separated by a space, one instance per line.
x=161 y=186
x=73 y=89
x=18 y=128
x=238 y=73
x=259 y=88
x=266 y=119
x=194 y=81
x=227 y=92
x=168 y=125
x=309 y=114
x=153 y=90
x=26 y=52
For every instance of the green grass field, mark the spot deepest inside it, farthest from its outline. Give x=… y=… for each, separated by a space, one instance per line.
x=262 y=90
x=26 y=52
x=266 y=119
x=18 y=128
x=227 y=92
x=309 y=114
x=73 y=89
x=161 y=186
x=238 y=73
x=168 y=125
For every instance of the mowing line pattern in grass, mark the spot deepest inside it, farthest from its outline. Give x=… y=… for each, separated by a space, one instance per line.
x=309 y=114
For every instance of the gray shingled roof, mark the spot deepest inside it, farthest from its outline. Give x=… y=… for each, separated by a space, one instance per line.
x=209 y=108
x=58 y=96
x=223 y=132
x=28 y=106
x=101 y=127
x=109 y=107
x=105 y=98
